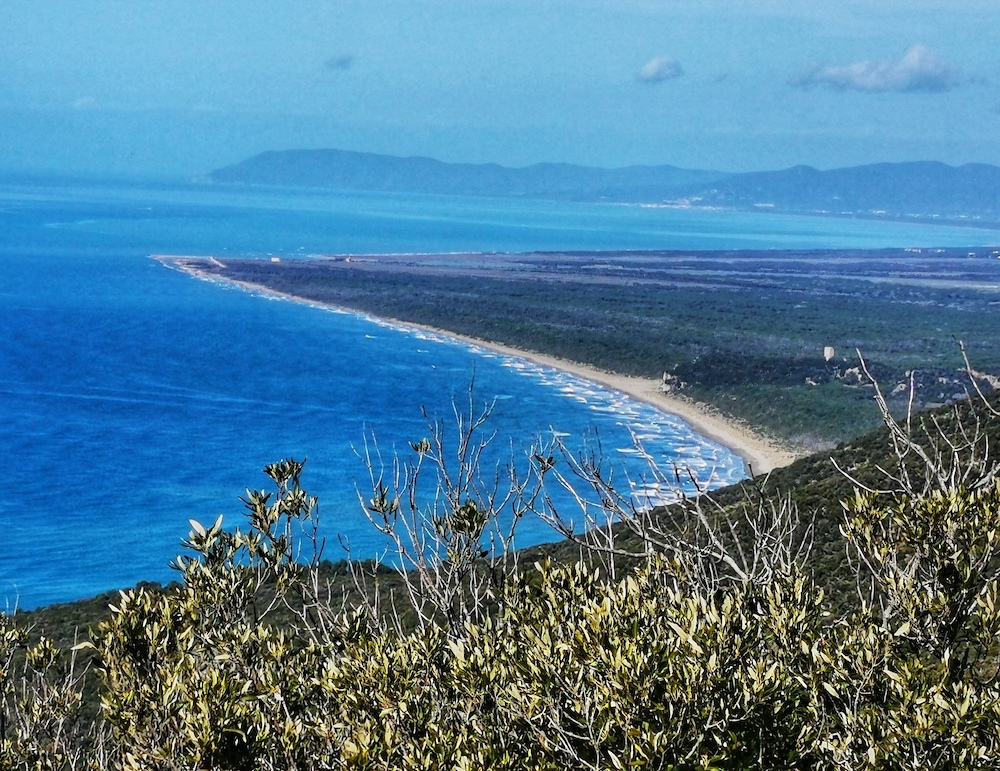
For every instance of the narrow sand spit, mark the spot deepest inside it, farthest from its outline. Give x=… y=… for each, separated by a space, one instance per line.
x=760 y=453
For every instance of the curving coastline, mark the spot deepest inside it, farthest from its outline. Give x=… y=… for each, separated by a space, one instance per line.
x=760 y=453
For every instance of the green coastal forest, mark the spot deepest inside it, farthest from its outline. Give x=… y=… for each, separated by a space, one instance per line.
x=722 y=632
x=743 y=331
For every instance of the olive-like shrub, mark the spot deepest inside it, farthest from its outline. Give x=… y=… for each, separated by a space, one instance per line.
x=686 y=660
x=575 y=670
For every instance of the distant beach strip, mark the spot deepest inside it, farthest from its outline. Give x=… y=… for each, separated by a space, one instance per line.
x=759 y=453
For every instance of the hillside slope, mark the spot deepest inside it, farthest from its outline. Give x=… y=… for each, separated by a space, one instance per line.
x=917 y=189
x=341 y=169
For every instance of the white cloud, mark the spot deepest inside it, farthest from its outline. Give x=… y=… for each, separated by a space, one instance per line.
x=919 y=69
x=660 y=68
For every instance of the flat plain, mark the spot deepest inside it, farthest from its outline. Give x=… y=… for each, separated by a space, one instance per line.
x=771 y=338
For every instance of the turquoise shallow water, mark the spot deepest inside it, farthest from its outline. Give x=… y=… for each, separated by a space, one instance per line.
x=134 y=398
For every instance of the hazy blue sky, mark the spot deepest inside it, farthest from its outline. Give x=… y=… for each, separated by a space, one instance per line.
x=185 y=86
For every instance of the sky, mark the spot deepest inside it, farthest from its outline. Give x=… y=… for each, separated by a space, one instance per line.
x=181 y=87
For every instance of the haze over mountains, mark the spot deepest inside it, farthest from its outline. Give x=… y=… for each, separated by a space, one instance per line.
x=915 y=189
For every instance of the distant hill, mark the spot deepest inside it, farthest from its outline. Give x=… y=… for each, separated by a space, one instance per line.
x=341 y=169
x=898 y=189
x=918 y=189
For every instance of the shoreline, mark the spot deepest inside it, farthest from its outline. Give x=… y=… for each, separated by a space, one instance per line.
x=760 y=454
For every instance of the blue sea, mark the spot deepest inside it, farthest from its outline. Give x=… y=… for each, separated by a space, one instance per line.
x=134 y=398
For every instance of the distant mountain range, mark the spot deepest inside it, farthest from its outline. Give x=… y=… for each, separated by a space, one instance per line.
x=918 y=189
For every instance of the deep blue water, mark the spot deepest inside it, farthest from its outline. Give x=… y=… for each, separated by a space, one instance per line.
x=133 y=398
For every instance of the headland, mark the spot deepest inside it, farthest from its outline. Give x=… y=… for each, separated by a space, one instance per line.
x=760 y=453
x=771 y=341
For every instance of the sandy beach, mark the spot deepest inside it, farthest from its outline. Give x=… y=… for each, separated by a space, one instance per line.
x=760 y=453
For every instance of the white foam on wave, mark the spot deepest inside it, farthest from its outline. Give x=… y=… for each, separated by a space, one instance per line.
x=663 y=438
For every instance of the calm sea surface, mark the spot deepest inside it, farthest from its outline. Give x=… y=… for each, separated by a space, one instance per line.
x=133 y=398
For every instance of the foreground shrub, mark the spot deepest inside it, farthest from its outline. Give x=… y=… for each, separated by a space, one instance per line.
x=573 y=671
x=694 y=659
x=40 y=701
